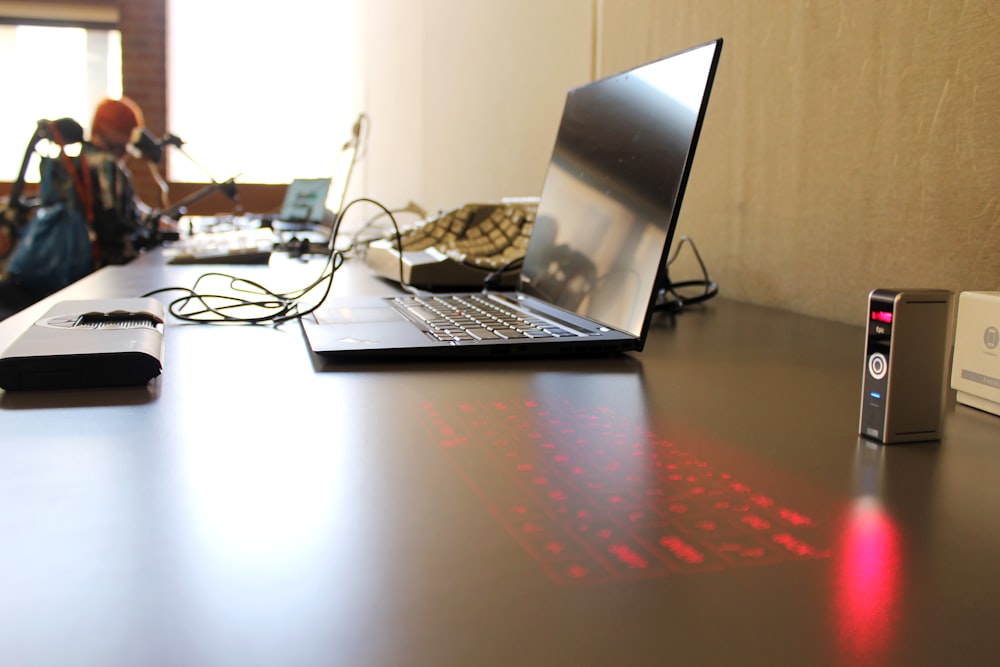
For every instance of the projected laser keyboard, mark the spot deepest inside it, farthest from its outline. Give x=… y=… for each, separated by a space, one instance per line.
x=594 y=497
x=459 y=248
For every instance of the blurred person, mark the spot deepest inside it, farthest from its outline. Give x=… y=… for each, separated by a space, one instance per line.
x=96 y=184
x=117 y=212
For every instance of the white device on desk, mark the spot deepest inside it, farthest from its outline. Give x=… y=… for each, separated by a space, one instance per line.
x=907 y=341
x=975 y=372
x=250 y=239
x=88 y=343
x=235 y=246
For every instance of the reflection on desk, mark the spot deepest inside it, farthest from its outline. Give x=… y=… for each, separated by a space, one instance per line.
x=594 y=497
x=705 y=501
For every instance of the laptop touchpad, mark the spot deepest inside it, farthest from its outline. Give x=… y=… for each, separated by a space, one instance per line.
x=356 y=315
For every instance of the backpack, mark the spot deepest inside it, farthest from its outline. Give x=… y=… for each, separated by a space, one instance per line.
x=54 y=248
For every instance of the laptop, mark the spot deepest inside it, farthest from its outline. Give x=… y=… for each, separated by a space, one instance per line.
x=305 y=202
x=309 y=203
x=602 y=231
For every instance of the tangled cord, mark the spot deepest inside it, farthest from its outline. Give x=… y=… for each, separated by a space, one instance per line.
x=249 y=302
x=669 y=297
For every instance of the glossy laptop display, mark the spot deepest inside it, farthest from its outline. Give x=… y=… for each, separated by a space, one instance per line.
x=604 y=225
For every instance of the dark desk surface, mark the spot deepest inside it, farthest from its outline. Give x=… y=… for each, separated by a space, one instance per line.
x=706 y=501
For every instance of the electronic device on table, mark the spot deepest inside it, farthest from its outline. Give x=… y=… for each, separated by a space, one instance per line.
x=906 y=350
x=463 y=247
x=601 y=235
x=88 y=343
x=304 y=205
x=251 y=239
x=976 y=366
x=233 y=246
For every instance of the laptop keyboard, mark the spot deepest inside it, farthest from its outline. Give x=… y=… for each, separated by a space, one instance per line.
x=469 y=318
x=594 y=497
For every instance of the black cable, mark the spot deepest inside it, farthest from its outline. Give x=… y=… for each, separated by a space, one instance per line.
x=396 y=233
x=669 y=297
x=218 y=308
x=497 y=274
x=358 y=242
x=213 y=308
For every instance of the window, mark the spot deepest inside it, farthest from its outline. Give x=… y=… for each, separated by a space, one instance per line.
x=263 y=92
x=52 y=71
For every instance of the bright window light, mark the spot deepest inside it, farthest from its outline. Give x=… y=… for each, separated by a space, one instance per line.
x=266 y=93
x=52 y=72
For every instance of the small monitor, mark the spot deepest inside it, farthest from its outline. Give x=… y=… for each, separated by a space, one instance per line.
x=305 y=201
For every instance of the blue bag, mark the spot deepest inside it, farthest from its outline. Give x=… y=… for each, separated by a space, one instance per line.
x=53 y=251
x=54 y=247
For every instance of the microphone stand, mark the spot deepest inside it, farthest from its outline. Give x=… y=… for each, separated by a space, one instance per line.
x=16 y=208
x=153 y=150
x=178 y=210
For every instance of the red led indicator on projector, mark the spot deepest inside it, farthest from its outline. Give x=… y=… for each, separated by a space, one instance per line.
x=881 y=316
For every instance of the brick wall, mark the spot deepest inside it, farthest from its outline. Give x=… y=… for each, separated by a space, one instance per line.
x=143 y=24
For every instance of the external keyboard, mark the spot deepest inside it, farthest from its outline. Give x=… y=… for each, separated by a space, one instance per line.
x=459 y=248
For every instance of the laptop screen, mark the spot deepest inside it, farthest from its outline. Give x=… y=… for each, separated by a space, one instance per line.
x=305 y=200
x=613 y=188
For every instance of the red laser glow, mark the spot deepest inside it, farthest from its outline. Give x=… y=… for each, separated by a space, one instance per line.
x=596 y=497
x=628 y=557
x=869 y=582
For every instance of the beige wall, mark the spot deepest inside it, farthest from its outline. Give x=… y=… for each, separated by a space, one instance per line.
x=465 y=97
x=849 y=144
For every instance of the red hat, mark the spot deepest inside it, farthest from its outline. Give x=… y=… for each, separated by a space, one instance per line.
x=115 y=119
